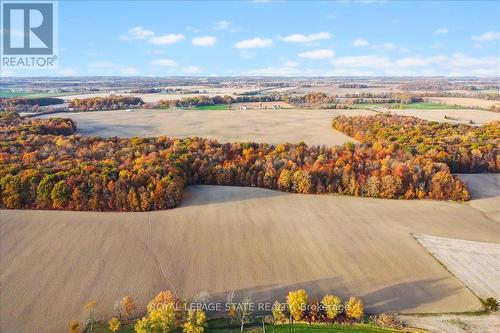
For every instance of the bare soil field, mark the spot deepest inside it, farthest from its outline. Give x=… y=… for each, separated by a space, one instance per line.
x=271 y=126
x=476 y=264
x=479 y=117
x=452 y=323
x=233 y=238
x=463 y=101
x=485 y=189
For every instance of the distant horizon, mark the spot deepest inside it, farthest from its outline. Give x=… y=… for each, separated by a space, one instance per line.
x=252 y=77
x=274 y=39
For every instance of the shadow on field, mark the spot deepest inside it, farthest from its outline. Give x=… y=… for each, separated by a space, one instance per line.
x=482 y=186
x=408 y=295
x=397 y=297
x=197 y=195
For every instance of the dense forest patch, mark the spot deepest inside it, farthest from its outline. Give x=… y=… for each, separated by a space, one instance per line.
x=464 y=148
x=50 y=169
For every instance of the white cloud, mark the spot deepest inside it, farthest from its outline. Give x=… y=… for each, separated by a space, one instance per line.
x=418 y=61
x=299 y=38
x=289 y=63
x=461 y=60
x=317 y=54
x=136 y=33
x=166 y=39
x=349 y=72
x=67 y=72
x=191 y=69
x=370 y=61
x=456 y=65
x=287 y=68
x=487 y=36
x=163 y=62
x=273 y=71
x=106 y=67
x=360 y=42
x=222 y=25
x=5 y=72
x=441 y=31
x=256 y=42
x=140 y=33
x=129 y=71
x=204 y=41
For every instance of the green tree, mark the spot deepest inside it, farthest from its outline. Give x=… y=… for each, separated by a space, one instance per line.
x=60 y=194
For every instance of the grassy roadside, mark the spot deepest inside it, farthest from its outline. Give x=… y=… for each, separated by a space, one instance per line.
x=224 y=326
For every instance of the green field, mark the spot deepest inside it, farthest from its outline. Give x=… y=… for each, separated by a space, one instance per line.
x=212 y=107
x=224 y=326
x=429 y=106
x=9 y=94
x=413 y=106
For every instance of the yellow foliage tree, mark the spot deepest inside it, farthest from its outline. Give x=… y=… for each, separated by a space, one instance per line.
x=354 y=308
x=163 y=318
x=74 y=326
x=196 y=322
x=297 y=301
x=159 y=320
x=278 y=313
x=143 y=325
x=232 y=312
x=332 y=305
x=114 y=324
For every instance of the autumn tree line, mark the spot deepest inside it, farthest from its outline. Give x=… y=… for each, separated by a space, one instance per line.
x=54 y=170
x=167 y=312
x=330 y=309
x=25 y=104
x=464 y=148
x=11 y=123
x=105 y=103
x=214 y=100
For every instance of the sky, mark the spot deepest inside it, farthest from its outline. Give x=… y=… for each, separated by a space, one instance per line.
x=276 y=38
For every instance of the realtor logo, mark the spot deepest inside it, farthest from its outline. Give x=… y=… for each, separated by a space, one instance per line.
x=29 y=34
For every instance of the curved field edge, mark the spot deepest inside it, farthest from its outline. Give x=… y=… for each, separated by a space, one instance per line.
x=234 y=238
